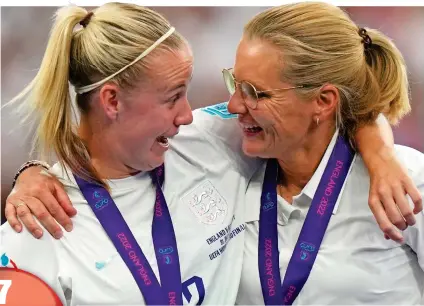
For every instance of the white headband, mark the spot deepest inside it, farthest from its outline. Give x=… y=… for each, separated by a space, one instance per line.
x=90 y=87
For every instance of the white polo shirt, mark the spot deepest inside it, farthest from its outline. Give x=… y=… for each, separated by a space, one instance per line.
x=355 y=264
x=206 y=177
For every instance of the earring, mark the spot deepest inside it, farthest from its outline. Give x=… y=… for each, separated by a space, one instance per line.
x=317 y=121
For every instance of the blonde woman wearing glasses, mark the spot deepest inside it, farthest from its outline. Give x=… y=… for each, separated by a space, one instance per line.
x=160 y=221
x=305 y=78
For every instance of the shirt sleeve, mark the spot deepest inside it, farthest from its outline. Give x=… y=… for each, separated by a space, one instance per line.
x=36 y=256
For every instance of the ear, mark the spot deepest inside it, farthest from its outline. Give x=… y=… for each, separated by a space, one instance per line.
x=327 y=102
x=109 y=100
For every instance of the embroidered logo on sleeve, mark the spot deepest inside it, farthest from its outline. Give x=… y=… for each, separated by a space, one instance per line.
x=206 y=203
x=220 y=110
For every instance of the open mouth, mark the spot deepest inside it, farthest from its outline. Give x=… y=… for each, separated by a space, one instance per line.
x=163 y=141
x=250 y=129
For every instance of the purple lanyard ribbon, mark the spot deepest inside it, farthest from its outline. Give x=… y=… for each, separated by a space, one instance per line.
x=164 y=241
x=312 y=232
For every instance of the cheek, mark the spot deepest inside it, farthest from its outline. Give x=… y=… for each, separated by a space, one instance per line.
x=291 y=117
x=134 y=130
x=162 y=119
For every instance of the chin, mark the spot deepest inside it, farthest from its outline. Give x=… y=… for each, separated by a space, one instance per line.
x=148 y=164
x=156 y=162
x=258 y=149
x=251 y=150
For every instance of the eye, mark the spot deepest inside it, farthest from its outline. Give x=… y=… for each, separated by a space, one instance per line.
x=263 y=95
x=175 y=98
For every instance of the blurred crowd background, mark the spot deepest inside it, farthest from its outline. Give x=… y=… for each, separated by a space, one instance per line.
x=213 y=33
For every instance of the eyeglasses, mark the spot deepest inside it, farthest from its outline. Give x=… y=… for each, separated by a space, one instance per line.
x=248 y=91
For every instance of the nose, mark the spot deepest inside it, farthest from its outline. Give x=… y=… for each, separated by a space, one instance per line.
x=236 y=105
x=185 y=115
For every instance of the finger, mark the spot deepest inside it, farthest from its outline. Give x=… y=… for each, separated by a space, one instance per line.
x=43 y=214
x=383 y=221
x=64 y=200
x=403 y=206
x=28 y=220
x=415 y=196
x=392 y=210
x=10 y=214
x=48 y=200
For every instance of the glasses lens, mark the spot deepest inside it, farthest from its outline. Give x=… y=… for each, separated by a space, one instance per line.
x=249 y=94
x=229 y=81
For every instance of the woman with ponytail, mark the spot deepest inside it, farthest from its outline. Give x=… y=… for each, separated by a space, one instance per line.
x=306 y=78
x=159 y=190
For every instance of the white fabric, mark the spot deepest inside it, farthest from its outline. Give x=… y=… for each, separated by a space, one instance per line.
x=206 y=153
x=355 y=264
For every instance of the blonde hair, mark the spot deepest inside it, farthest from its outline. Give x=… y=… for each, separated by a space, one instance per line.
x=111 y=37
x=320 y=44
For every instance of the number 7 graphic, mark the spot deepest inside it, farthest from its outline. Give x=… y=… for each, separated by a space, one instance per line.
x=3 y=291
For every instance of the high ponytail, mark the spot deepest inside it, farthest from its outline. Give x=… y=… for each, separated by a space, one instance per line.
x=48 y=98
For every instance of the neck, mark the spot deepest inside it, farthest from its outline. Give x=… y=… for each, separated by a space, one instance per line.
x=103 y=160
x=299 y=165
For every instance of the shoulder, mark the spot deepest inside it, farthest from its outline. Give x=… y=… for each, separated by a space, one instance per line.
x=358 y=182
x=36 y=256
x=213 y=121
x=214 y=113
x=65 y=176
x=412 y=159
x=214 y=137
x=30 y=254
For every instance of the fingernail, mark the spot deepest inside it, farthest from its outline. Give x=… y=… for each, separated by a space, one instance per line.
x=68 y=227
x=58 y=234
x=410 y=221
x=38 y=233
x=399 y=238
x=17 y=228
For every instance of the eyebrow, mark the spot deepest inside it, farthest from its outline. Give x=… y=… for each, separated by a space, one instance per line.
x=174 y=88
x=257 y=87
x=181 y=85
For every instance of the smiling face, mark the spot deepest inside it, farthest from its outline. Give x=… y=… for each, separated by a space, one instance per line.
x=282 y=119
x=145 y=116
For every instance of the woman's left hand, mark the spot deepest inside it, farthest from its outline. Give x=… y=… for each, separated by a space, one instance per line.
x=390 y=186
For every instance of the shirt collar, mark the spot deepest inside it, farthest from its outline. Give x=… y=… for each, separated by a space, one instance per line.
x=254 y=191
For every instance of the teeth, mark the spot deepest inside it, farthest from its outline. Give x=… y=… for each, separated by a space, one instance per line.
x=249 y=126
